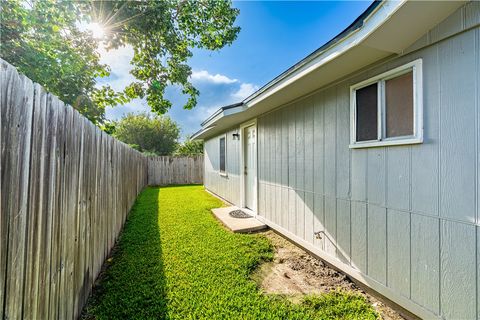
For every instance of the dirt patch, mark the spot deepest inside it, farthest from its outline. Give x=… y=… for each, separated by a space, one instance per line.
x=295 y=273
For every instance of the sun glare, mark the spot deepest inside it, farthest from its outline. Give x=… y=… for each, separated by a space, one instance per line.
x=97 y=30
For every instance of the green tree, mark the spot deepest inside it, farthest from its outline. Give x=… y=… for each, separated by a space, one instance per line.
x=151 y=134
x=162 y=34
x=44 y=40
x=189 y=148
x=109 y=127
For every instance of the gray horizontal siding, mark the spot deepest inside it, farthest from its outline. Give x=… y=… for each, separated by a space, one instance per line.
x=405 y=216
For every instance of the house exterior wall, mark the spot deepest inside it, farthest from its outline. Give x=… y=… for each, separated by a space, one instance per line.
x=226 y=186
x=405 y=219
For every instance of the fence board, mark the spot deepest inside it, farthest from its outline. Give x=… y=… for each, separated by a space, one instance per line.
x=35 y=205
x=19 y=96
x=66 y=189
x=166 y=170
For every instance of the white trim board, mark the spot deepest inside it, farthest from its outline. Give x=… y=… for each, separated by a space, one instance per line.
x=243 y=126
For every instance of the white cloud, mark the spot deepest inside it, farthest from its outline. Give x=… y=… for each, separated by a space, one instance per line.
x=134 y=106
x=216 y=90
x=205 y=76
x=119 y=62
x=245 y=90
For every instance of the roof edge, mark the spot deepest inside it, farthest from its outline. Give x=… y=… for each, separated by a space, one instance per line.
x=353 y=27
x=220 y=110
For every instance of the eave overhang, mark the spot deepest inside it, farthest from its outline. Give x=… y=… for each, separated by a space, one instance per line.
x=384 y=29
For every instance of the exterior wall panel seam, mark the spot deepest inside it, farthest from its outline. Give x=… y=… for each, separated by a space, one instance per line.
x=437 y=148
x=477 y=161
x=439 y=180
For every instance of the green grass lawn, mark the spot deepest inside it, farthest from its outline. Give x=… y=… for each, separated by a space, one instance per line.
x=174 y=261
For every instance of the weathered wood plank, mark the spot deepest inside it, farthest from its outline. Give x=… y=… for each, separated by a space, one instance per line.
x=63 y=215
x=165 y=170
x=71 y=177
x=35 y=205
x=3 y=227
x=48 y=208
x=17 y=139
x=55 y=258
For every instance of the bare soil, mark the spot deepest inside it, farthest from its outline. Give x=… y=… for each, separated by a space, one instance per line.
x=295 y=273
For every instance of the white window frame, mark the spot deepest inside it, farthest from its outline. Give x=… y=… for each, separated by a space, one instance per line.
x=222 y=173
x=417 y=137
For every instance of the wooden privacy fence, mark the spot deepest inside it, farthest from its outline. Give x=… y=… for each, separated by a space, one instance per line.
x=66 y=188
x=175 y=170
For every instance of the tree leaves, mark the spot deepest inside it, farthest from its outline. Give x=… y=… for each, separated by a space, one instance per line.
x=44 y=41
x=146 y=133
x=189 y=148
x=162 y=34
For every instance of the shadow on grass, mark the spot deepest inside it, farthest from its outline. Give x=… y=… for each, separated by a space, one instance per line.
x=133 y=282
x=174 y=261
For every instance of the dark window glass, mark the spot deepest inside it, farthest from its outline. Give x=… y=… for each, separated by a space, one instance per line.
x=222 y=154
x=367 y=111
x=399 y=105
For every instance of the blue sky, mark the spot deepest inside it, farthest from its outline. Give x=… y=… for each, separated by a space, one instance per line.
x=274 y=35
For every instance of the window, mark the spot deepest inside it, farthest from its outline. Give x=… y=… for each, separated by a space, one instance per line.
x=222 y=154
x=387 y=109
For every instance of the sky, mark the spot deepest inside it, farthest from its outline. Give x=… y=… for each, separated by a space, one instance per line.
x=274 y=36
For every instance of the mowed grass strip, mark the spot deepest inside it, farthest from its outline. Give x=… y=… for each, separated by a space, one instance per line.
x=174 y=261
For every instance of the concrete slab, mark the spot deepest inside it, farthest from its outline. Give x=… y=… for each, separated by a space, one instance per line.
x=240 y=225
